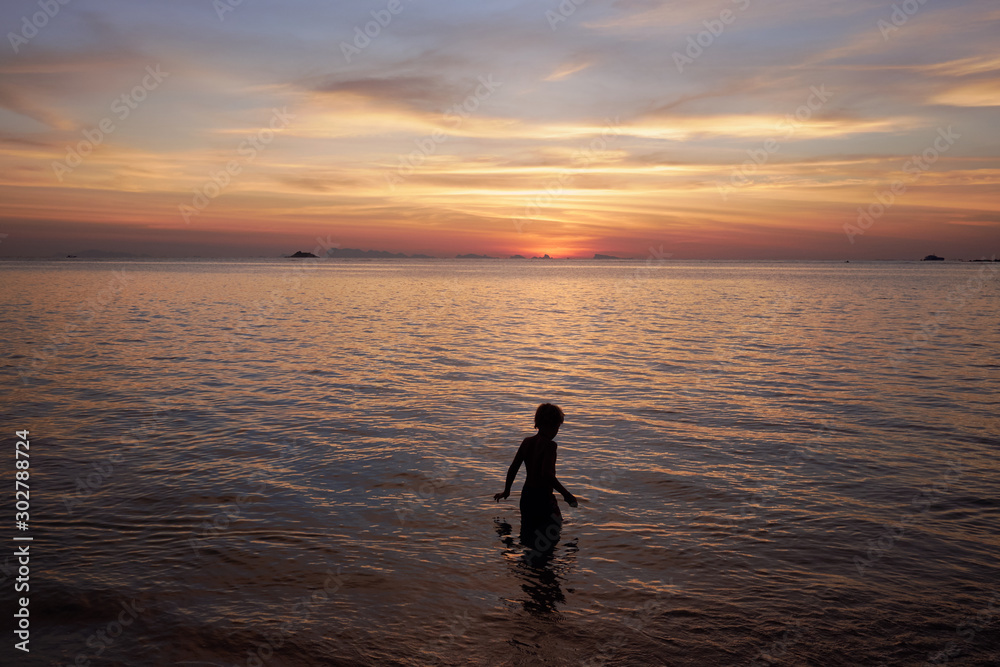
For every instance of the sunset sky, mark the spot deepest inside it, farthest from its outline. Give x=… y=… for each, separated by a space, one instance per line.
x=721 y=129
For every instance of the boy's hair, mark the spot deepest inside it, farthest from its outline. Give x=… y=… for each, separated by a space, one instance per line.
x=548 y=415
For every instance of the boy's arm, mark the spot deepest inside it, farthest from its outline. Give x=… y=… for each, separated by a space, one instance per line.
x=512 y=473
x=567 y=496
x=557 y=486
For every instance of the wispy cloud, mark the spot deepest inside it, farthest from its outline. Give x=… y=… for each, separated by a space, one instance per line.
x=540 y=136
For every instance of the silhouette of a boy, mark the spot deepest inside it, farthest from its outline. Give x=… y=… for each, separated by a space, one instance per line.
x=538 y=453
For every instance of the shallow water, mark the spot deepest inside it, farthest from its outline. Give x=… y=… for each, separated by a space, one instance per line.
x=284 y=463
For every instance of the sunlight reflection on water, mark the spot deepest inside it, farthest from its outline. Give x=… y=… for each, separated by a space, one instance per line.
x=749 y=443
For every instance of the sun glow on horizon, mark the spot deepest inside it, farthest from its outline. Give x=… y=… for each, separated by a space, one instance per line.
x=758 y=148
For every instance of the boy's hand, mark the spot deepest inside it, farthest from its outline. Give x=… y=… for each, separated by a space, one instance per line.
x=570 y=500
x=501 y=496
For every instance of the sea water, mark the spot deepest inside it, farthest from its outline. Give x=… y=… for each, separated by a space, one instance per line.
x=293 y=462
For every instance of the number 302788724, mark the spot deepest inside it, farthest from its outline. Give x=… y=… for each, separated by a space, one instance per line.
x=21 y=476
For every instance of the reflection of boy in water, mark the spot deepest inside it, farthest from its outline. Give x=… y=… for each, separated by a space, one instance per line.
x=538 y=504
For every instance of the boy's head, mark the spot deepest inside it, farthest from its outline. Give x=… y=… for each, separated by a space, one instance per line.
x=548 y=416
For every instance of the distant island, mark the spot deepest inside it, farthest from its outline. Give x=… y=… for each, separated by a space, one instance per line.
x=932 y=258
x=105 y=254
x=357 y=252
x=598 y=255
x=354 y=253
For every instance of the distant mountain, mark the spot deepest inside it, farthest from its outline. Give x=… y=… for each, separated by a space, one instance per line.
x=94 y=253
x=357 y=252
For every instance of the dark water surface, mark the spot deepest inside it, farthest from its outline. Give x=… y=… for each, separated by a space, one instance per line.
x=264 y=462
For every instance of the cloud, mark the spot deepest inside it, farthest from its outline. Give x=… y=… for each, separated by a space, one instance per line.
x=764 y=126
x=14 y=98
x=980 y=64
x=566 y=70
x=655 y=173
x=419 y=92
x=21 y=141
x=984 y=93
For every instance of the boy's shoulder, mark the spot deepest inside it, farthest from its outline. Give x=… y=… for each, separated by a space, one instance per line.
x=537 y=439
